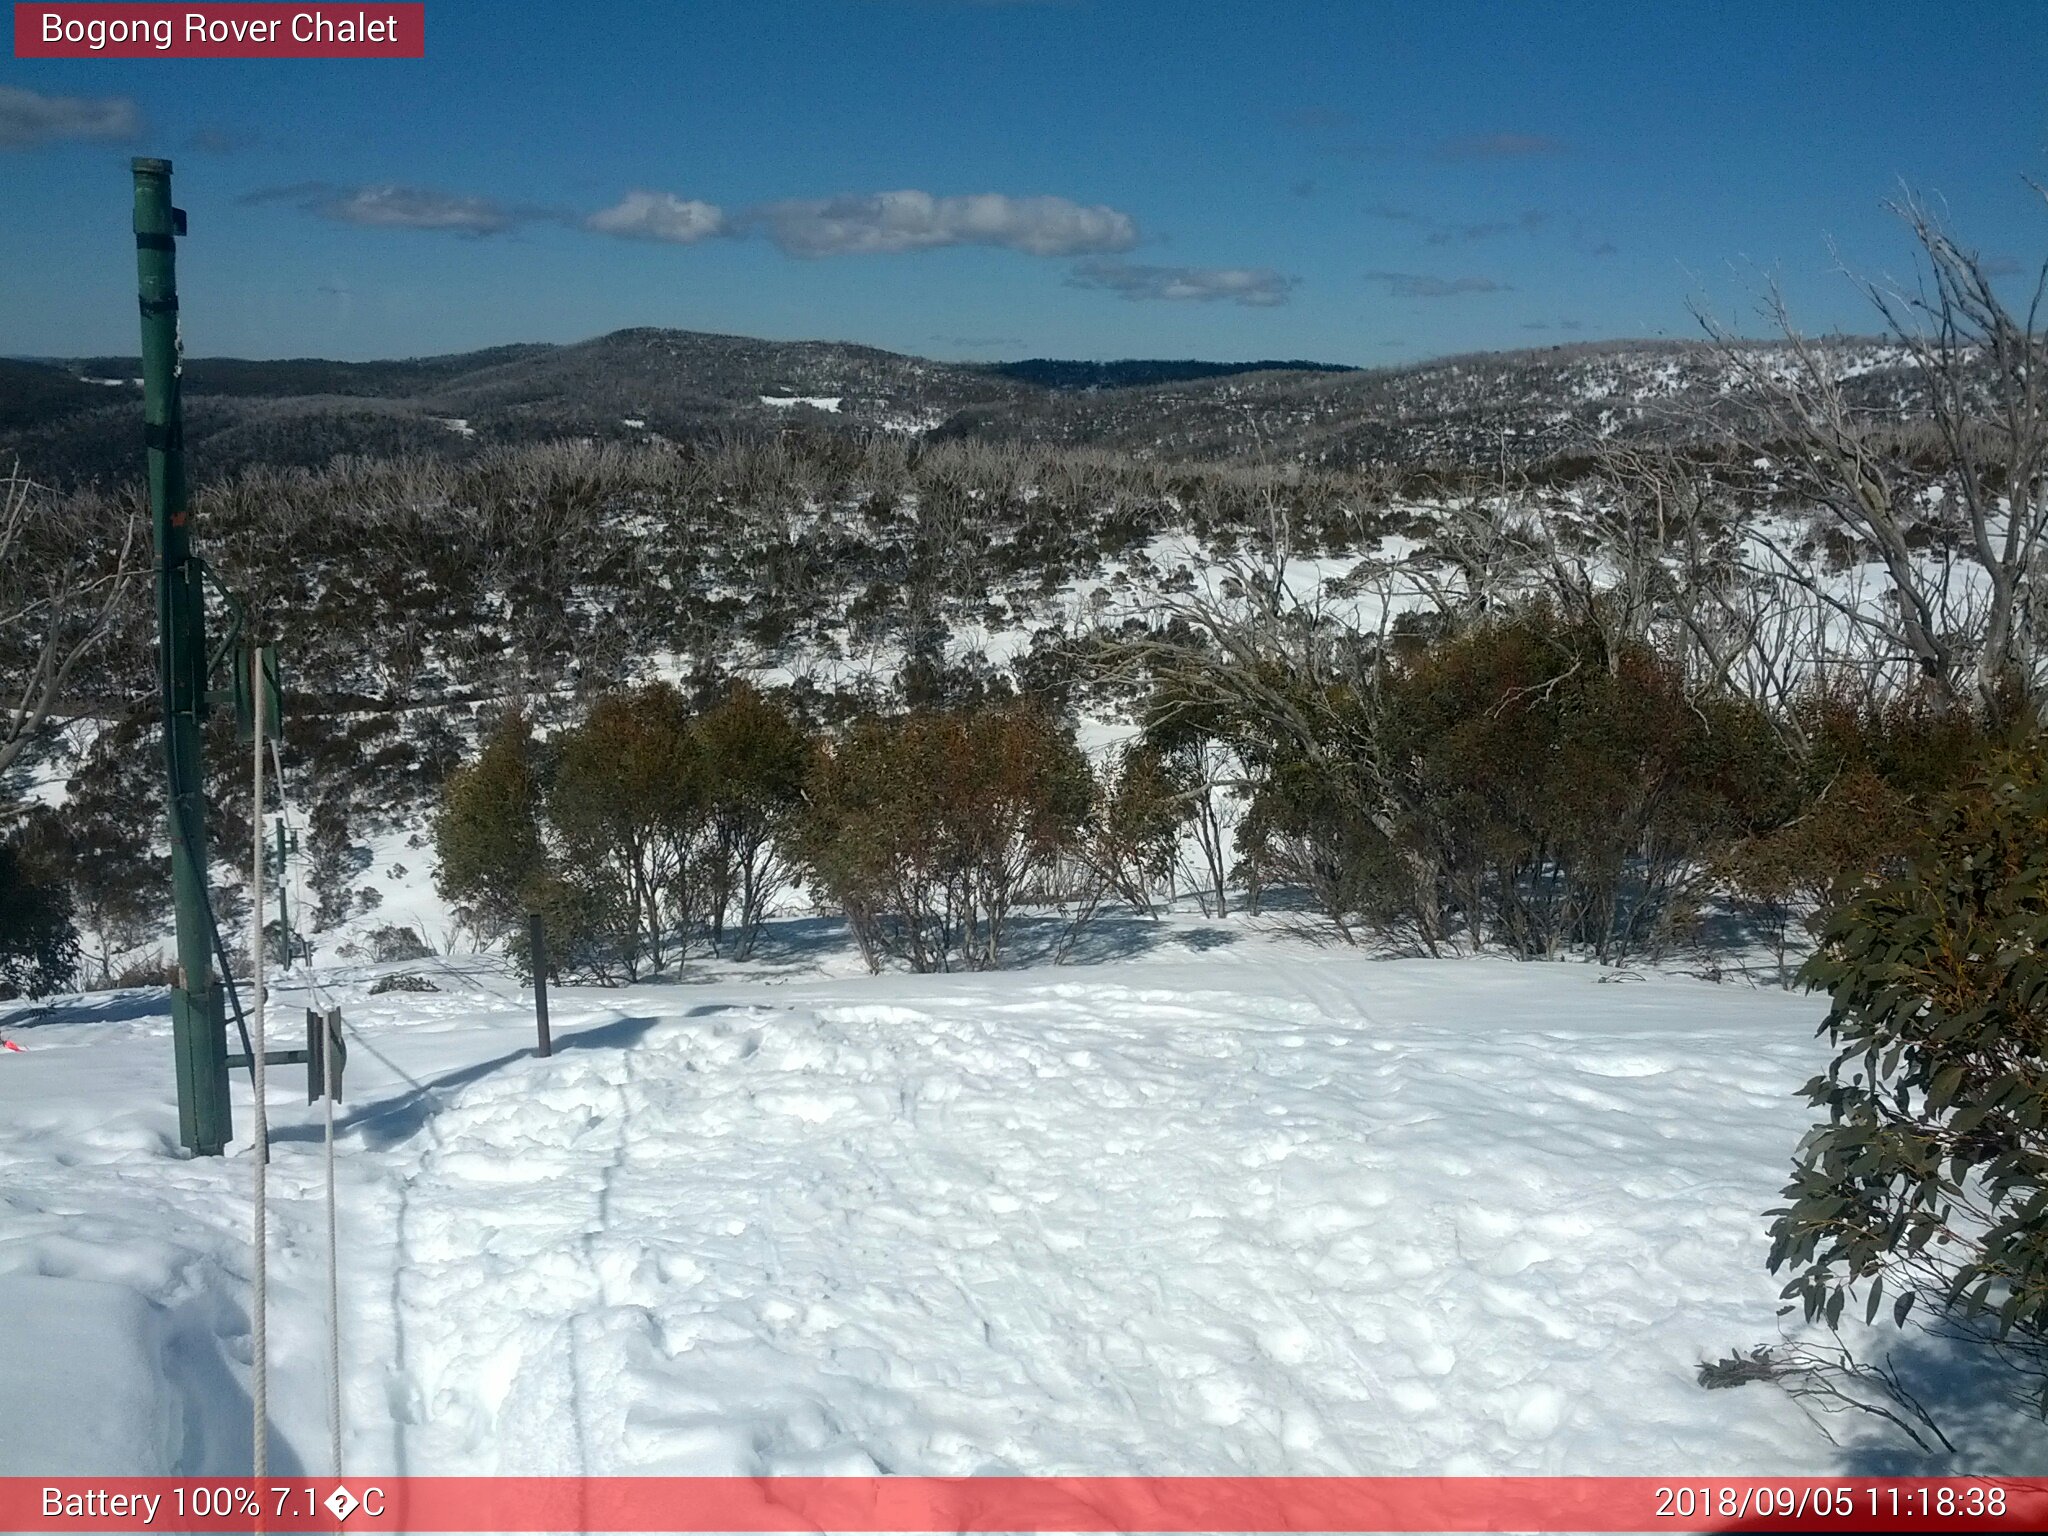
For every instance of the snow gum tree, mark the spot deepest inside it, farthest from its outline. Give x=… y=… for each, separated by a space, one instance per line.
x=1928 y=1181
x=629 y=831
x=627 y=803
x=927 y=828
x=753 y=755
x=487 y=833
x=1145 y=798
x=67 y=566
x=1956 y=517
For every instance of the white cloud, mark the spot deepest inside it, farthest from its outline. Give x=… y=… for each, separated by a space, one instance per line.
x=659 y=216
x=419 y=208
x=918 y=221
x=29 y=118
x=1257 y=287
x=882 y=221
x=395 y=207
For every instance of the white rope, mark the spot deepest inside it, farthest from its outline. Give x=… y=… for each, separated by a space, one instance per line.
x=259 y=1389
x=298 y=889
x=330 y=1084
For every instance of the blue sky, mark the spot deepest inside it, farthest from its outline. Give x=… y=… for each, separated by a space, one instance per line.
x=1353 y=182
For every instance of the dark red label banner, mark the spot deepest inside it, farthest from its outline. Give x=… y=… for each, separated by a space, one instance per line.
x=1044 y=1504
x=215 y=31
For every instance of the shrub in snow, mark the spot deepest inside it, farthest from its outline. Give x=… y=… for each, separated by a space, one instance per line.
x=1849 y=802
x=583 y=930
x=1538 y=779
x=754 y=756
x=487 y=838
x=626 y=802
x=394 y=942
x=102 y=842
x=150 y=971
x=1928 y=1181
x=333 y=861
x=925 y=829
x=403 y=981
x=1144 y=799
x=642 y=823
x=1830 y=1379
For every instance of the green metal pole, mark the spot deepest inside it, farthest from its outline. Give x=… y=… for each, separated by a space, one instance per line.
x=198 y=1017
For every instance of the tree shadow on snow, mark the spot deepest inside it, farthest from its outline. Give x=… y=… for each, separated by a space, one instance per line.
x=785 y=948
x=794 y=943
x=791 y=946
x=1290 y=911
x=1034 y=940
x=94 y=1008
x=390 y=1121
x=1980 y=1405
x=1985 y=1410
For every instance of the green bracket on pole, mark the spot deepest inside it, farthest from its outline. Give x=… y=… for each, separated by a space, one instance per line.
x=198 y=1003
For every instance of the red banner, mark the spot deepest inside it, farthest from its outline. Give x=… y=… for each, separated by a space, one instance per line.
x=1078 y=1504
x=72 y=31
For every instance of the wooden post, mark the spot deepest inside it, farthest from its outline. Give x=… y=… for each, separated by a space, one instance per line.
x=537 y=946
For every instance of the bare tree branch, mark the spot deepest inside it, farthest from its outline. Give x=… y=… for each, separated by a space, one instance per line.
x=64 y=577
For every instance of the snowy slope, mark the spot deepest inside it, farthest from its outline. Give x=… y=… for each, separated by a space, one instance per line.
x=1232 y=1203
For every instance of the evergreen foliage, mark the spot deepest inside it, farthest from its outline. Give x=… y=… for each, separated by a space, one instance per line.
x=1145 y=798
x=487 y=832
x=928 y=828
x=1846 y=810
x=630 y=831
x=1928 y=1181
x=38 y=944
x=1530 y=782
x=627 y=804
x=754 y=756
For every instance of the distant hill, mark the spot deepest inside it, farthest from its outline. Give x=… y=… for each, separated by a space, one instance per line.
x=1480 y=409
x=65 y=425
x=269 y=379
x=78 y=421
x=33 y=393
x=1133 y=373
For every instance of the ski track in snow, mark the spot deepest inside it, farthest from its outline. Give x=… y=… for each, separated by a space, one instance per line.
x=1281 y=1211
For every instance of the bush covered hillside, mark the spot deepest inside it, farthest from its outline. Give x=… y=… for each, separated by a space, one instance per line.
x=65 y=420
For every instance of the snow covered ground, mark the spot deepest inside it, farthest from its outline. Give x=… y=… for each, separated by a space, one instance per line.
x=1227 y=1201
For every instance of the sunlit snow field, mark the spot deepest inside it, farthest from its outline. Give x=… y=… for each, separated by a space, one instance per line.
x=1225 y=1199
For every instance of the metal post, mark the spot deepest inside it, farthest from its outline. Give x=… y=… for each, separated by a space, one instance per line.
x=284 y=916
x=537 y=943
x=326 y=1054
x=198 y=1012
